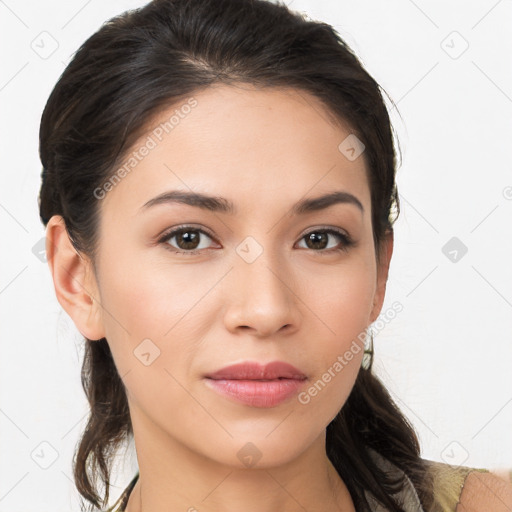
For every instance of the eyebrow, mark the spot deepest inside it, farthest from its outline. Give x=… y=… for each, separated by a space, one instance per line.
x=222 y=205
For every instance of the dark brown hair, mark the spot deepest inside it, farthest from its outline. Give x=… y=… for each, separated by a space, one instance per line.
x=150 y=58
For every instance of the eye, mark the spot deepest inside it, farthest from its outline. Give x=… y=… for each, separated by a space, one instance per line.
x=186 y=240
x=191 y=240
x=320 y=240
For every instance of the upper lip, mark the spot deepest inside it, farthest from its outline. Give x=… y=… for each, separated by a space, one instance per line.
x=250 y=370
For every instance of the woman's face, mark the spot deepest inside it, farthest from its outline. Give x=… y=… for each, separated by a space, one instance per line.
x=259 y=281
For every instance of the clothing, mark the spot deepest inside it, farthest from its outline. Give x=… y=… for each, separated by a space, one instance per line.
x=448 y=484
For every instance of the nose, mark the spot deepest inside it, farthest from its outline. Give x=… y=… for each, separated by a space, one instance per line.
x=262 y=300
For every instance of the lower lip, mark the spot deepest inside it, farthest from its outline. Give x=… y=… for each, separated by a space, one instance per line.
x=257 y=393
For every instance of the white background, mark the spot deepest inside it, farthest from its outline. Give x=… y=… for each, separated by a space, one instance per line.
x=446 y=358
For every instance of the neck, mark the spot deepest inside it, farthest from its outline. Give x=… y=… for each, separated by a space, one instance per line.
x=172 y=476
x=274 y=496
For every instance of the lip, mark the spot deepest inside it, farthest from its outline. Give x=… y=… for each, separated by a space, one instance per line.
x=257 y=385
x=250 y=370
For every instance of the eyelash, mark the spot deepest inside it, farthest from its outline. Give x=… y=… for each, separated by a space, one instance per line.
x=346 y=240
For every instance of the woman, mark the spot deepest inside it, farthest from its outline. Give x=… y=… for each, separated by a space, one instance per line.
x=218 y=191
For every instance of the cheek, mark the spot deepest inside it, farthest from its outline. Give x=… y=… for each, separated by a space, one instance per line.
x=152 y=308
x=148 y=293
x=342 y=299
x=154 y=326
x=342 y=305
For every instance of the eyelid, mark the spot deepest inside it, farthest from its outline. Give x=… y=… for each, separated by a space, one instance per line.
x=178 y=227
x=172 y=231
x=340 y=231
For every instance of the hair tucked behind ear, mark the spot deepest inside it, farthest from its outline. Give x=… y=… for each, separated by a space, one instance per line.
x=148 y=59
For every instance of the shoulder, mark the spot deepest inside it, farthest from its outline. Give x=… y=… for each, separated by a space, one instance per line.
x=485 y=491
x=467 y=489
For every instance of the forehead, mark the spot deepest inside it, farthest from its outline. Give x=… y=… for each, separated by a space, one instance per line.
x=256 y=140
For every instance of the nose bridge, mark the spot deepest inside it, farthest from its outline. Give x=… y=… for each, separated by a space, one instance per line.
x=260 y=296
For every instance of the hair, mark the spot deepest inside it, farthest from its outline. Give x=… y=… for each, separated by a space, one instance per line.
x=147 y=59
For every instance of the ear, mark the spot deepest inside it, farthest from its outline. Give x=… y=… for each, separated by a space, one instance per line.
x=74 y=280
x=382 y=275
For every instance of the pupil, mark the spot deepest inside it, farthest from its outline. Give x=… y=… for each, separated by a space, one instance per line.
x=315 y=238
x=189 y=240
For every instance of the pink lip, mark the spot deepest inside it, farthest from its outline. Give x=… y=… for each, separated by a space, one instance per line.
x=257 y=385
x=255 y=371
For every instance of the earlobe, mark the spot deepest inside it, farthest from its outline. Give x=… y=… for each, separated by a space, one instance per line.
x=74 y=280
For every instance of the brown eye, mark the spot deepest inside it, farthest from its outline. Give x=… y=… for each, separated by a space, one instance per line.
x=187 y=240
x=324 y=240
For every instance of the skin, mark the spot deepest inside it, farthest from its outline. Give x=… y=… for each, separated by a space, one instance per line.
x=264 y=150
x=486 y=491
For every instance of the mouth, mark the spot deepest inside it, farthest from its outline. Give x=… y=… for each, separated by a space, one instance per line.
x=257 y=385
